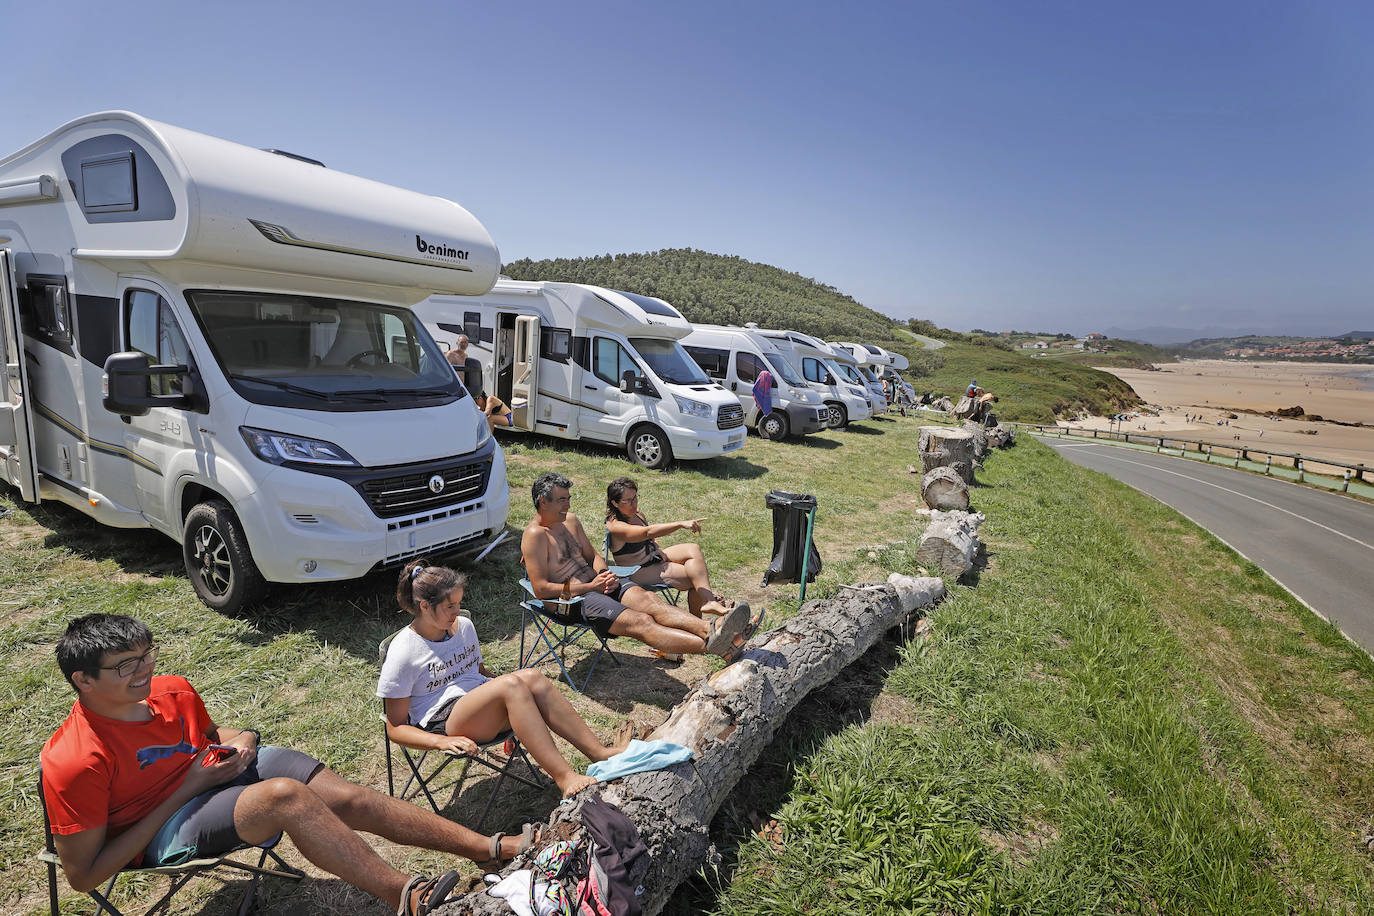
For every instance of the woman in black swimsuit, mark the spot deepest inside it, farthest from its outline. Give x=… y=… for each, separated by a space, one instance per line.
x=680 y=565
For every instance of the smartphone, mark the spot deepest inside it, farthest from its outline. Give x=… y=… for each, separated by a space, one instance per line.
x=217 y=753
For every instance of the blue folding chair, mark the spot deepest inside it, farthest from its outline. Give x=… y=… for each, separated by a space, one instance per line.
x=559 y=623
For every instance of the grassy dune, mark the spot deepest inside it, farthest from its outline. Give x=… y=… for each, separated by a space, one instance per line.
x=1123 y=715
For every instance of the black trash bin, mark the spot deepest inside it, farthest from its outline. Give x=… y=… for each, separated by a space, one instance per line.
x=793 y=516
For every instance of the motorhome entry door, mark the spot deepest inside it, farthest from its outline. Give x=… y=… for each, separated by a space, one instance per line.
x=16 y=413
x=525 y=385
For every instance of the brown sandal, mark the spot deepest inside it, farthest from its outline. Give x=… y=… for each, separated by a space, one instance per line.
x=429 y=893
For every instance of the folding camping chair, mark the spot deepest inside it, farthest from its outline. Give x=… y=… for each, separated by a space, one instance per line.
x=559 y=623
x=670 y=592
x=489 y=755
x=179 y=874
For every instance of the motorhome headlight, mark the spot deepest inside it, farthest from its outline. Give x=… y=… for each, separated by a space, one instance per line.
x=693 y=408
x=483 y=429
x=279 y=448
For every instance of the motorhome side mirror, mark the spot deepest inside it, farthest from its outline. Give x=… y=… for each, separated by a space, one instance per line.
x=829 y=379
x=629 y=382
x=126 y=386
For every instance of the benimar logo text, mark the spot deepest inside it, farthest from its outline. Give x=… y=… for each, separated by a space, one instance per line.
x=442 y=251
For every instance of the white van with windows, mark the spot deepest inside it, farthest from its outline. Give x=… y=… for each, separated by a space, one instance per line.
x=583 y=362
x=847 y=400
x=860 y=375
x=867 y=362
x=734 y=357
x=216 y=342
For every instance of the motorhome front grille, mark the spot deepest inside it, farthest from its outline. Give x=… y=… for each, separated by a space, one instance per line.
x=731 y=416
x=406 y=494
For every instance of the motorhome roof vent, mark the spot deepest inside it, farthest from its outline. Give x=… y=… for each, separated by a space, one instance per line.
x=752 y=325
x=297 y=156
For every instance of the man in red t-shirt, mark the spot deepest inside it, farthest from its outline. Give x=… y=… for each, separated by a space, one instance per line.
x=139 y=772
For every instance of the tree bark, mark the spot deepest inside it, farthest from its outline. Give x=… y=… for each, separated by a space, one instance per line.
x=728 y=721
x=980 y=439
x=1001 y=436
x=943 y=488
x=950 y=542
x=965 y=408
x=944 y=446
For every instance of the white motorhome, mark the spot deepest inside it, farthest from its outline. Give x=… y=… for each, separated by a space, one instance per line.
x=216 y=342
x=734 y=357
x=583 y=362
x=860 y=374
x=847 y=400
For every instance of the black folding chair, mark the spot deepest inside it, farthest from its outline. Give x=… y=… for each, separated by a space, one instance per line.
x=558 y=624
x=179 y=874
x=491 y=754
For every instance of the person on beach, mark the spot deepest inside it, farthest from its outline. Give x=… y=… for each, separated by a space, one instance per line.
x=139 y=773
x=439 y=695
x=562 y=563
x=633 y=542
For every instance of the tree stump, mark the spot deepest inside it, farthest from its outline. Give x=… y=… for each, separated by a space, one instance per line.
x=728 y=721
x=965 y=409
x=950 y=542
x=946 y=447
x=980 y=439
x=943 y=488
x=944 y=404
x=1001 y=436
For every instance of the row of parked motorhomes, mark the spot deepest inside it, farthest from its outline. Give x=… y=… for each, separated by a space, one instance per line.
x=244 y=350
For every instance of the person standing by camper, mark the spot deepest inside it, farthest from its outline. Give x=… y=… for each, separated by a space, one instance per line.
x=561 y=563
x=763 y=393
x=458 y=354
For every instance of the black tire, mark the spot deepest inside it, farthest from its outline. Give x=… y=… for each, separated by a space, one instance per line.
x=217 y=558
x=648 y=447
x=839 y=417
x=774 y=426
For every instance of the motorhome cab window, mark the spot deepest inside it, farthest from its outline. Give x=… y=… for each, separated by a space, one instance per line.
x=783 y=369
x=610 y=361
x=812 y=369
x=848 y=372
x=151 y=329
x=669 y=361
x=715 y=363
x=748 y=366
x=323 y=354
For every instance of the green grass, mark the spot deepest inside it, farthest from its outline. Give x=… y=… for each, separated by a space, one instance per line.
x=1121 y=716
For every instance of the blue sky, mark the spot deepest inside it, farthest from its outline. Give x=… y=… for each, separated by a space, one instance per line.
x=1031 y=165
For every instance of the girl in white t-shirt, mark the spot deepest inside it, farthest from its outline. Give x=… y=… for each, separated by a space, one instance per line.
x=439 y=695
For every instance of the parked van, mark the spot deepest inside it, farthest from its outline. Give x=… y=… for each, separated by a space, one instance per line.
x=216 y=342
x=734 y=357
x=860 y=373
x=846 y=400
x=582 y=362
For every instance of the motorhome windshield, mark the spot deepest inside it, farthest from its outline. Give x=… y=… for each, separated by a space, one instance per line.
x=669 y=361
x=323 y=354
x=867 y=373
x=784 y=369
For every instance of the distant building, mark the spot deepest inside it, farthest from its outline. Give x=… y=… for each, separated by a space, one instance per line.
x=1096 y=337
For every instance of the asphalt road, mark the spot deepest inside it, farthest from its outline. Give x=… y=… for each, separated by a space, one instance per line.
x=1318 y=545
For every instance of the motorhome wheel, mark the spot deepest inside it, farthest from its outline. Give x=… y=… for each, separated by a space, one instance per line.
x=774 y=426
x=217 y=558
x=839 y=417
x=649 y=447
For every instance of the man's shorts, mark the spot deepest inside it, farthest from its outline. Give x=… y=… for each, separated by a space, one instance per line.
x=601 y=606
x=204 y=826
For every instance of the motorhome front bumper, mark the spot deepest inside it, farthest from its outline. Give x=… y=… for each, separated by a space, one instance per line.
x=805 y=419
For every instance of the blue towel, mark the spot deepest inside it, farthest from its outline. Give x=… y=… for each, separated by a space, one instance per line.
x=639 y=757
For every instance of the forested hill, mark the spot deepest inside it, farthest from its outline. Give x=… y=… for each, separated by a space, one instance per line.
x=720 y=289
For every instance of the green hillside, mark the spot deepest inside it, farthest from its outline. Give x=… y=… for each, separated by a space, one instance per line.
x=720 y=289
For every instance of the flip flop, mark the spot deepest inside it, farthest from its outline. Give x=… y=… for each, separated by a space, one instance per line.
x=737 y=649
x=666 y=656
x=720 y=637
x=432 y=893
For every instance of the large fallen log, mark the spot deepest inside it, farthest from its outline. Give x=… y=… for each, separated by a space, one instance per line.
x=946 y=447
x=728 y=721
x=950 y=542
x=980 y=439
x=943 y=488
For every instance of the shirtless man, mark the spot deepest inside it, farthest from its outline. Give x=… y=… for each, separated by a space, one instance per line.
x=561 y=563
x=458 y=353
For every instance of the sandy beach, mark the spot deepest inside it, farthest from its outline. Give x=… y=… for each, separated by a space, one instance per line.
x=1207 y=390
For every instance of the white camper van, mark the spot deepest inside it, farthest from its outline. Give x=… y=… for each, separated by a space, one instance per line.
x=582 y=362
x=216 y=342
x=735 y=357
x=849 y=367
x=867 y=361
x=847 y=400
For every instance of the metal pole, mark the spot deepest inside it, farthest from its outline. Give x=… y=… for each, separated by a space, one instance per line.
x=806 y=554
x=1268 y=459
x=1345 y=487
x=1298 y=462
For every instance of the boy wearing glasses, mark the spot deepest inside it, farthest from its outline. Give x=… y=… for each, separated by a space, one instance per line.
x=138 y=773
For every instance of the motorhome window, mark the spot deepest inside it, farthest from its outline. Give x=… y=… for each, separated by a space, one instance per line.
x=812 y=370
x=874 y=350
x=108 y=185
x=848 y=372
x=748 y=366
x=715 y=363
x=325 y=354
x=555 y=344
x=46 y=312
x=151 y=329
x=472 y=326
x=651 y=306
x=669 y=361
x=610 y=361
x=783 y=369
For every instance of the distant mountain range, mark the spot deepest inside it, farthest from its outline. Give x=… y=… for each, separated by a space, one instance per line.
x=1163 y=336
